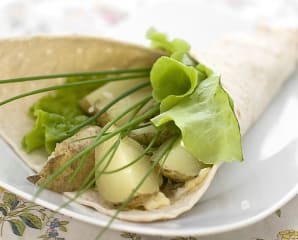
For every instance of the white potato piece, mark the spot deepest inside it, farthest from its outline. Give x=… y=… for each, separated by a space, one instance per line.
x=116 y=187
x=178 y=165
x=99 y=98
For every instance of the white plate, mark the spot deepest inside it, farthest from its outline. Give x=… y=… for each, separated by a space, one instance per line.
x=242 y=193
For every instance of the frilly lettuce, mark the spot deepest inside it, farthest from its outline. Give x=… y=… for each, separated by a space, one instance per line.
x=159 y=40
x=191 y=97
x=55 y=114
x=48 y=129
x=172 y=81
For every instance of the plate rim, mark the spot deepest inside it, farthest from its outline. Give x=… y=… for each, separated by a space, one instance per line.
x=119 y=225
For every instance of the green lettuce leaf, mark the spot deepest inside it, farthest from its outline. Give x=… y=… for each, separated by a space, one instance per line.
x=177 y=48
x=160 y=41
x=54 y=115
x=48 y=129
x=192 y=99
x=209 y=128
x=172 y=81
x=64 y=102
x=208 y=125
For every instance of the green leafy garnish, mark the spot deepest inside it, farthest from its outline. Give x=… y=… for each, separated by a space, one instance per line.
x=177 y=48
x=208 y=125
x=55 y=115
x=171 y=81
x=48 y=129
x=193 y=98
x=190 y=102
x=59 y=116
x=160 y=40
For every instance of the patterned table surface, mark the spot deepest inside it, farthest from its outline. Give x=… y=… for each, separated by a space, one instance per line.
x=26 y=17
x=20 y=218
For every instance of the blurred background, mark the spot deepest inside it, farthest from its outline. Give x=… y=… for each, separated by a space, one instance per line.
x=105 y=17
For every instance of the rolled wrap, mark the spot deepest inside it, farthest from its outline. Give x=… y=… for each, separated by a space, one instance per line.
x=253 y=68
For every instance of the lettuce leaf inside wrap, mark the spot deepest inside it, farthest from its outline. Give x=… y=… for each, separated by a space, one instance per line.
x=55 y=114
x=191 y=97
x=48 y=129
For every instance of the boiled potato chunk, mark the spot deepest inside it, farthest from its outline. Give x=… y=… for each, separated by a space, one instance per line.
x=99 y=98
x=116 y=187
x=65 y=151
x=179 y=165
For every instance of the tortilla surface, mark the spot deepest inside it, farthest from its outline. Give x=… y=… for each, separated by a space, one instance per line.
x=253 y=68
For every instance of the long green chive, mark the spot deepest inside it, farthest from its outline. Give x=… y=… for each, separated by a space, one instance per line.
x=136 y=121
x=138 y=105
x=79 y=74
x=110 y=152
x=78 y=168
x=146 y=150
x=143 y=125
x=136 y=111
x=131 y=195
x=114 y=121
x=88 y=178
x=133 y=123
x=106 y=107
x=107 y=126
x=113 y=148
x=89 y=181
x=165 y=157
x=73 y=84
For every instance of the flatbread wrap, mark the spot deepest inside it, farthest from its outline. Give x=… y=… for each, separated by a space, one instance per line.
x=253 y=67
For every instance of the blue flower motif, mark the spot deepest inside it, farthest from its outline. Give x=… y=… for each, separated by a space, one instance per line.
x=53 y=233
x=55 y=223
x=14 y=204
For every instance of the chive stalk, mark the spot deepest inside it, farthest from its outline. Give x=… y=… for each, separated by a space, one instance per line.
x=123 y=130
x=79 y=74
x=151 y=112
x=107 y=126
x=107 y=107
x=74 y=84
x=126 y=202
x=89 y=181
